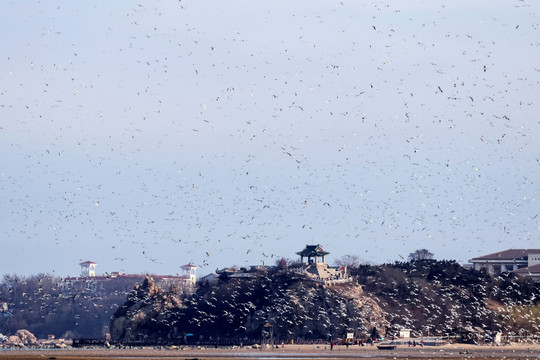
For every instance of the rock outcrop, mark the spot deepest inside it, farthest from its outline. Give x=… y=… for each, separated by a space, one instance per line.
x=22 y=338
x=146 y=312
x=293 y=305
x=428 y=297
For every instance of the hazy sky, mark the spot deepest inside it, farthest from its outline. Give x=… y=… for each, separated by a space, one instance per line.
x=144 y=136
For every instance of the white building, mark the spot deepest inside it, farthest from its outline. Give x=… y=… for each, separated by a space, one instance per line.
x=190 y=272
x=88 y=269
x=517 y=260
x=405 y=333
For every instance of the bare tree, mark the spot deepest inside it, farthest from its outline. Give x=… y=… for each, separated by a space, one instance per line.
x=349 y=261
x=421 y=254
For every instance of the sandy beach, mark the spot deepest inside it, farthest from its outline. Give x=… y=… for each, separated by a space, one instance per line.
x=297 y=352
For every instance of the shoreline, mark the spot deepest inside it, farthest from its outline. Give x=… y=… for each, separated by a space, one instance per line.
x=296 y=352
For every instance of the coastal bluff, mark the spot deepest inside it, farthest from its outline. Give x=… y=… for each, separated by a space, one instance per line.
x=286 y=303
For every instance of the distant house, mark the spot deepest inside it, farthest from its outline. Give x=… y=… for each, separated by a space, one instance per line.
x=234 y=273
x=521 y=261
x=211 y=278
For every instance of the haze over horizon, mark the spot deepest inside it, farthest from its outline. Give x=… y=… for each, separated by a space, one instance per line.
x=144 y=136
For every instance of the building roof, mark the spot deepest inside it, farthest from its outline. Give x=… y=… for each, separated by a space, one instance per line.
x=531 y=270
x=188 y=266
x=226 y=270
x=313 y=250
x=212 y=274
x=88 y=262
x=511 y=254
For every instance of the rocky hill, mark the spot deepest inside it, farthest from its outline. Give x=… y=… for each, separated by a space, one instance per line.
x=239 y=308
x=147 y=312
x=430 y=297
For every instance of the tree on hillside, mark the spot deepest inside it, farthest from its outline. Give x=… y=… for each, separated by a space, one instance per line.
x=375 y=334
x=421 y=254
x=349 y=261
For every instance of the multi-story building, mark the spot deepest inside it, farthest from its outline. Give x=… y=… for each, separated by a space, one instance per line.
x=524 y=262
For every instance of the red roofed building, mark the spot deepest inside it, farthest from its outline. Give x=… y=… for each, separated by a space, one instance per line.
x=98 y=283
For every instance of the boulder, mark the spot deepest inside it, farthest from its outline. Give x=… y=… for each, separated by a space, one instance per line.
x=27 y=338
x=14 y=340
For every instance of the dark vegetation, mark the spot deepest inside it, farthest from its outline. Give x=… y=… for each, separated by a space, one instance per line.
x=433 y=298
x=240 y=308
x=443 y=298
x=428 y=296
x=45 y=304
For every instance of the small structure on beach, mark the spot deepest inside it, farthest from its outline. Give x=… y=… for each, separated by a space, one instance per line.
x=404 y=333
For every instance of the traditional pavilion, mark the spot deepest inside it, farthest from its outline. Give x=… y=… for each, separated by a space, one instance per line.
x=313 y=253
x=315 y=265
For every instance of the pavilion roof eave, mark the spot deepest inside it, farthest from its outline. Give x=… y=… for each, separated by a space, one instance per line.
x=312 y=250
x=312 y=253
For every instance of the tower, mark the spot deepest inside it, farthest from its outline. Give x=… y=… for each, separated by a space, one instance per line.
x=88 y=269
x=190 y=271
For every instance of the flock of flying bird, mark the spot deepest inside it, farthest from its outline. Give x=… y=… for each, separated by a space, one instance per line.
x=164 y=139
